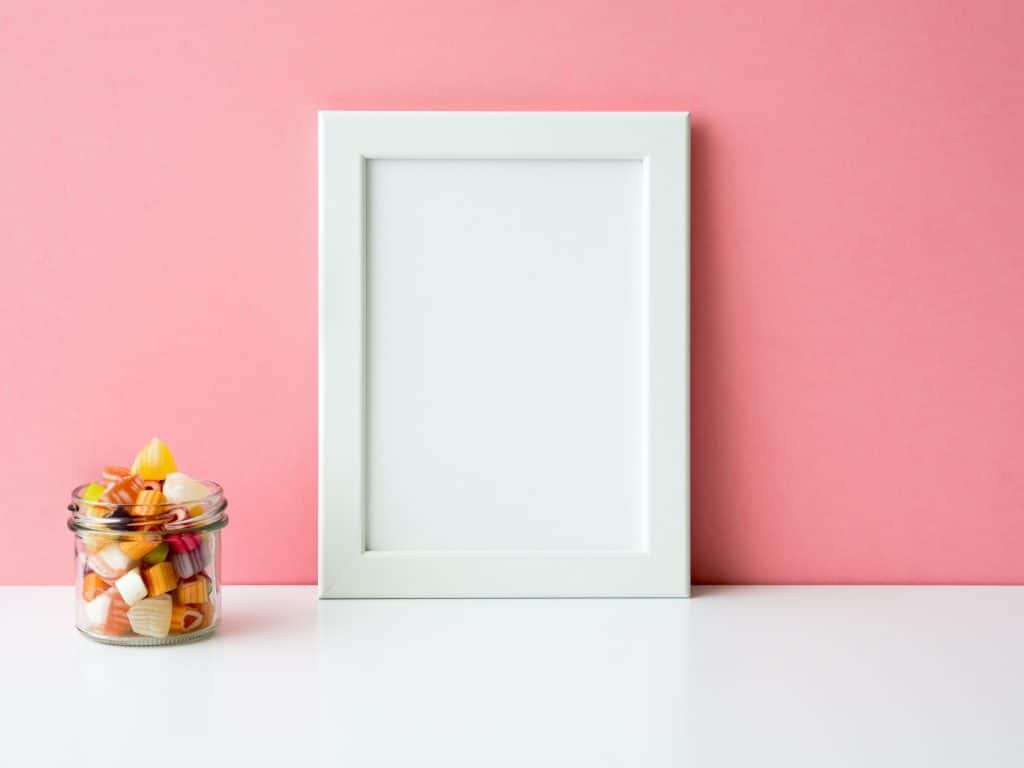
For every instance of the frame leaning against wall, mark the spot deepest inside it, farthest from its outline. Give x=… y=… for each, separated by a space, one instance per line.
x=361 y=518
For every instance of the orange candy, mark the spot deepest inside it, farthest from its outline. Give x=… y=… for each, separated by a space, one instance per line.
x=124 y=491
x=138 y=548
x=112 y=475
x=93 y=585
x=160 y=578
x=147 y=502
x=185 y=618
x=117 y=618
x=192 y=592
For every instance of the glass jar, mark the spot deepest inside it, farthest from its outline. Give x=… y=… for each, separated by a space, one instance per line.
x=147 y=574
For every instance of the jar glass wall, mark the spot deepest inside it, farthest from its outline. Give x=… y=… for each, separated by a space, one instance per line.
x=147 y=574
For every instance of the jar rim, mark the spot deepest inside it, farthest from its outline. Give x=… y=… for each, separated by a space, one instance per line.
x=169 y=517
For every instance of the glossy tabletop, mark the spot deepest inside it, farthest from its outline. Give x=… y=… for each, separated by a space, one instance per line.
x=788 y=676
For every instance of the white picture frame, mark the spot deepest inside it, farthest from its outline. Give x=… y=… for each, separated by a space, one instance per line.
x=455 y=461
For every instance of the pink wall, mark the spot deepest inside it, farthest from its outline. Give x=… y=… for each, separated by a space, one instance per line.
x=858 y=256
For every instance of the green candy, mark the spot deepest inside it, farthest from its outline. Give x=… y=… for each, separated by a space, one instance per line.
x=93 y=491
x=158 y=555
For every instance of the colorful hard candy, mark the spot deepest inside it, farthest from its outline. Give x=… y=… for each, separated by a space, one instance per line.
x=147 y=560
x=117 y=618
x=185 y=618
x=183 y=542
x=193 y=591
x=160 y=578
x=93 y=585
x=179 y=488
x=132 y=587
x=158 y=555
x=151 y=617
x=187 y=564
x=110 y=562
x=124 y=491
x=155 y=461
x=148 y=502
x=93 y=491
x=112 y=475
x=138 y=548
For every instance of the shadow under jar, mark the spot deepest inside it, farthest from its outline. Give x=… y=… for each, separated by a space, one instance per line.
x=147 y=574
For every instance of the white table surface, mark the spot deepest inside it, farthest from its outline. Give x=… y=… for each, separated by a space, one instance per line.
x=740 y=676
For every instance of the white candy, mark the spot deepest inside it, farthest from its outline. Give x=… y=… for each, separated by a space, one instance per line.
x=179 y=488
x=151 y=617
x=115 y=557
x=131 y=586
x=96 y=610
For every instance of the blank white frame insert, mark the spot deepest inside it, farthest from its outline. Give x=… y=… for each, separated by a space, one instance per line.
x=493 y=354
x=504 y=354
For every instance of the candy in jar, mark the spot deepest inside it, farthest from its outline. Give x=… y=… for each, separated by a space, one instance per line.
x=147 y=556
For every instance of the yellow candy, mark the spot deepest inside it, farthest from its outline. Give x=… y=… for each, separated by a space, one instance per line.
x=155 y=461
x=92 y=492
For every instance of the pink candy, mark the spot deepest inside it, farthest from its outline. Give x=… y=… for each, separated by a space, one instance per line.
x=187 y=564
x=183 y=542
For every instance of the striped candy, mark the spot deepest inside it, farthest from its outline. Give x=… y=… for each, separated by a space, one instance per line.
x=176 y=517
x=147 y=502
x=117 y=617
x=185 y=618
x=183 y=542
x=187 y=564
x=124 y=491
x=113 y=475
x=151 y=617
x=110 y=562
x=186 y=554
x=193 y=592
